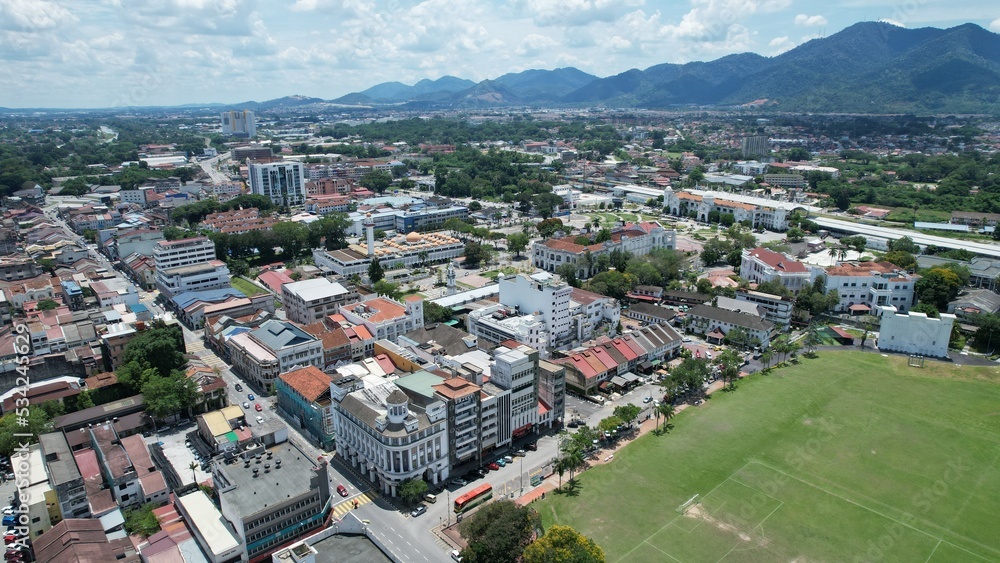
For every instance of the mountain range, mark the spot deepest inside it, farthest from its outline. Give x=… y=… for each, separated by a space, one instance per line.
x=870 y=67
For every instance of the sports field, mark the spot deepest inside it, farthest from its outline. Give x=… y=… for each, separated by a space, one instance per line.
x=846 y=457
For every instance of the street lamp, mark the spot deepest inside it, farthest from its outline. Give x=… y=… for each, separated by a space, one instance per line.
x=521 y=475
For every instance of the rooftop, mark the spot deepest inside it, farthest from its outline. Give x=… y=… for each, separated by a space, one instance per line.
x=310 y=382
x=314 y=289
x=250 y=495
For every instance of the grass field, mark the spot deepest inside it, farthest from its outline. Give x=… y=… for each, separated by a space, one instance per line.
x=850 y=456
x=246 y=287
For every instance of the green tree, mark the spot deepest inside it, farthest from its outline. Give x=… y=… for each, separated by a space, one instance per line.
x=412 y=490
x=927 y=309
x=160 y=348
x=388 y=289
x=498 y=532
x=375 y=271
x=562 y=544
x=168 y=395
x=609 y=424
x=377 y=181
x=141 y=521
x=901 y=258
x=987 y=335
x=546 y=204
x=475 y=254
x=36 y=422
x=665 y=410
x=548 y=227
x=795 y=234
x=938 y=286
x=47 y=304
x=627 y=413
x=568 y=273
x=434 y=313
x=517 y=242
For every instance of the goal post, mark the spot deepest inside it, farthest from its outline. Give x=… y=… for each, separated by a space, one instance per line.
x=690 y=502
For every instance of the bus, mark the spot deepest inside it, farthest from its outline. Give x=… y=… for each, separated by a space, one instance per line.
x=475 y=497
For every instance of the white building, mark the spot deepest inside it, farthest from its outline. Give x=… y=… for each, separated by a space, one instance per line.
x=284 y=183
x=759 y=265
x=540 y=294
x=386 y=318
x=516 y=369
x=210 y=528
x=241 y=123
x=184 y=252
x=203 y=276
x=637 y=238
x=914 y=333
x=777 y=309
x=866 y=286
x=388 y=439
x=309 y=301
x=758 y=212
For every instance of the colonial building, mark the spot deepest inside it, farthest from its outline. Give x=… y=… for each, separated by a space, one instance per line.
x=636 y=238
x=759 y=265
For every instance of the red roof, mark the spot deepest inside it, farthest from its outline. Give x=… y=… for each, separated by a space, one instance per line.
x=778 y=261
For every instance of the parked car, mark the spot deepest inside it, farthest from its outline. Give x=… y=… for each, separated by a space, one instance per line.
x=533 y=446
x=342 y=490
x=493 y=467
x=418 y=511
x=647 y=400
x=508 y=459
x=501 y=462
x=456 y=555
x=520 y=453
x=460 y=481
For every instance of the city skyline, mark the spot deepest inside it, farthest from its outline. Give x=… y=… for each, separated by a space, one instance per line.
x=104 y=53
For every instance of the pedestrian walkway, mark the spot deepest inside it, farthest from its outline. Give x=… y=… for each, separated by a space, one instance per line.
x=345 y=507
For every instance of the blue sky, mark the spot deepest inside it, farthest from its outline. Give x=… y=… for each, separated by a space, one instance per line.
x=105 y=53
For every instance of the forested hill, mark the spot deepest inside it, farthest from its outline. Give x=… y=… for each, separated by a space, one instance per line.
x=870 y=67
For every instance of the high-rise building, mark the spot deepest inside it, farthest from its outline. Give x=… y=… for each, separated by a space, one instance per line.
x=755 y=146
x=240 y=123
x=284 y=183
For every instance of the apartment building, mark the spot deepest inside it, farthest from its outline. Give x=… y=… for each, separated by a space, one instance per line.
x=281 y=182
x=312 y=300
x=863 y=287
x=386 y=318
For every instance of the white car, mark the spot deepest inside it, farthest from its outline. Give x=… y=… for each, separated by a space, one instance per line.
x=260 y=419
x=246 y=406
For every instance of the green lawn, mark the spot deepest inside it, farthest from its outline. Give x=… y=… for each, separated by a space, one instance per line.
x=246 y=287
x=851 y=456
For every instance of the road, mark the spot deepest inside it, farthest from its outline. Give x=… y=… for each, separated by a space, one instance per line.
x=211 y=165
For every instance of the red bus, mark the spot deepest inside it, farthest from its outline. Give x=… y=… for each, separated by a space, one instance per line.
x=475 y=497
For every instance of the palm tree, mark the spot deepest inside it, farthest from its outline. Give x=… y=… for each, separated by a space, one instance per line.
x=560 y=468
x=596 y=223
x=666 y=410
x=766 y=358
x=812 y=338
x=192 y=466
x=423 y=254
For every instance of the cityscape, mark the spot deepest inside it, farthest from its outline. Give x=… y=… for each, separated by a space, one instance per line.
x=740 y=305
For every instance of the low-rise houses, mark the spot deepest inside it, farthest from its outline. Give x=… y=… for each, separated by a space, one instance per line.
x=238 y=221
x=715 y=323
x=386 y=318
x=590 y=368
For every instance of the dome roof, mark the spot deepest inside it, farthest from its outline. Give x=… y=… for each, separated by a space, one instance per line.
x=413 y=237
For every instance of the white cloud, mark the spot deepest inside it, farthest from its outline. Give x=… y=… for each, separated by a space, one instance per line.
x=892 y=22
x=720 y=20
x=534 y=44
x=779 y=45
x=809 y=21
x=33 y=15
x=995 y=25
x=571 y=13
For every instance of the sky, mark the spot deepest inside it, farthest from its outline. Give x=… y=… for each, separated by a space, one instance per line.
x=114 y=53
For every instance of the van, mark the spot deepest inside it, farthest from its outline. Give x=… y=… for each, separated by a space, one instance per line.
x=430 y=498
x=456 y=555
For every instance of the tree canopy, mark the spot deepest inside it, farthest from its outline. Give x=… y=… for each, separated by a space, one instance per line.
x=562 y=544
x=498 y=532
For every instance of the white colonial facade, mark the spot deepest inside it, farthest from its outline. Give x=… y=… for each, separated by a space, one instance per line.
x=914 y=333
x=637 y=238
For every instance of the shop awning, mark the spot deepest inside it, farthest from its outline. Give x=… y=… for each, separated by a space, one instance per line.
x=621 y=382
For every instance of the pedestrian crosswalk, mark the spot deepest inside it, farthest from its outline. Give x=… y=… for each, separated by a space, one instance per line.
x=343 y=508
